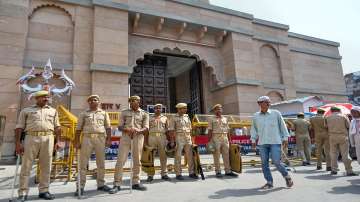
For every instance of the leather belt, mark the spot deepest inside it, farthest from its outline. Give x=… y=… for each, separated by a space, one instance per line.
x=93 y=135
x=40 y=133
x=220 y=134
x=183 y=133
x=157 y=134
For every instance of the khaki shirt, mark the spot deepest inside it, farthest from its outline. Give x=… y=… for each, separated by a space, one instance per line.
x=181 y=124
x=92 y=122
x=337 y=123
x=219 y=125
x=318 y=124
x=134 y=119
x=37 y=119
x=158 y=124
x=301 y=127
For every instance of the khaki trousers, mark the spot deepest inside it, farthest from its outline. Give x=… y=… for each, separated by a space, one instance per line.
x=35 y=146
x=303 y=145
x=136 y=151
x=183 y=142
x=322 y=143
x=159 y=141
x=341 y=143
x=91 y=142
x=221 y=143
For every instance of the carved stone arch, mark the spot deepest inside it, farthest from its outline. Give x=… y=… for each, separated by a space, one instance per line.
x=214 y=79
x=50 y=35
x=275 y=49
x=270 y=60
x=66 y=10
x=275 y=96
x=138 y=55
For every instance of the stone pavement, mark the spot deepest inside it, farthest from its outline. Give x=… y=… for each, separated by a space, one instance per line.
x=309 y=185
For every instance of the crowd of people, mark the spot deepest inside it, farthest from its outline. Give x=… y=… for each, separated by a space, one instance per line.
x=333 y=134
x=40 y=123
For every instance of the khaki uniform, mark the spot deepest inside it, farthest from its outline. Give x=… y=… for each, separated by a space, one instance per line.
x=321 y=139
x=182 y=127
x=303 y=142
x=39 y=125
x=93 y=125
x=157 y=138
x=338 y=126
x=131 y=119
x=220 y=130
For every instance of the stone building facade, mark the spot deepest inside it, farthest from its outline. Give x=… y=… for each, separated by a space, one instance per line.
x=203 y=54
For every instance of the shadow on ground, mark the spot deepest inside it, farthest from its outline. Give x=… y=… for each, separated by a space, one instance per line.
x=324 y=177
x=349 y=189
x=242 y=192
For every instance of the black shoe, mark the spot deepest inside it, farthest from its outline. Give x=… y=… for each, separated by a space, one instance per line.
x=150 y=179
x=104 y=188
x=22 y=198
x=218 y=175
x=46 y=196
x=81 y=192
x=165 y=177
x=139 y=187
x=328 y=168
x=308 y=163
x=267 y=186
x=114 y=190
x=231 y=174
x=194 y=176
x=289 y=182
x=319 y=168
x=351 y=174
x=179 y=177
x=333 y=172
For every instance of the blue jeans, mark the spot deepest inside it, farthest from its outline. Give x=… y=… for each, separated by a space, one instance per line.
x=275 y=151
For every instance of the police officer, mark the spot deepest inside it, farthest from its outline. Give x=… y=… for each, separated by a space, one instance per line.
x=156 y=138
x=180 y=127
x=321 y=139
x=40 y=122
x=219 y=134
x=303 y=143
x=94 y=123
x=134 y=122
x=338 y=126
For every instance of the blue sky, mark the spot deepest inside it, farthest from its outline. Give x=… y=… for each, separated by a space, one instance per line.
x=334 y=20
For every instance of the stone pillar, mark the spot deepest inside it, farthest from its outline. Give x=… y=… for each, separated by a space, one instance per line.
x=82 y=58
x=13 y=29
x=287 y=72
x=248 y=85
x=110 y=70
x=227 y=95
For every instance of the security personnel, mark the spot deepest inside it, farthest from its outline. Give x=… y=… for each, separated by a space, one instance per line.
x=134 y=122
x=220 y=136
x=303 y=143
x=338 y=127
x=40 y=122
x=321 y=139
x=94 y=123
x=156 y=138
x=180 y=127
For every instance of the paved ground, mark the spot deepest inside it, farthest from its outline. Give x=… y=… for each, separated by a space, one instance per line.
x=310 y=185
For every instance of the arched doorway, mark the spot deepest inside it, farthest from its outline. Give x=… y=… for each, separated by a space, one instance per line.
x=168 y=78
